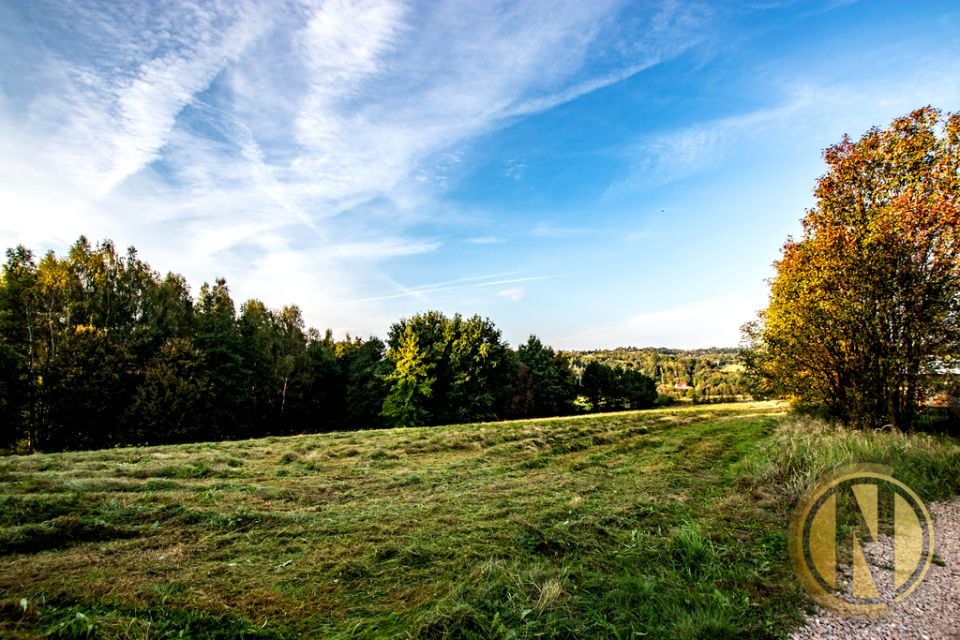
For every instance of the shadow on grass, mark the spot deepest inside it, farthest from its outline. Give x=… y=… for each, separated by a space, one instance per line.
x=74 y=621
x=59 y=533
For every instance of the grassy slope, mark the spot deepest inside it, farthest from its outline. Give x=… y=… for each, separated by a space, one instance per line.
x=596 y=526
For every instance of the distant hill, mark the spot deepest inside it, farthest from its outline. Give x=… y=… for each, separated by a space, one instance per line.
x=700 y=375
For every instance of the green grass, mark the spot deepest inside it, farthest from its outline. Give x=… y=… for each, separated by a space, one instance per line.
x=804 y=448
x=658 y=524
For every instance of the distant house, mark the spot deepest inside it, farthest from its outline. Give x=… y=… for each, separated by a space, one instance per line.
x=682 y=386
x=942 y=404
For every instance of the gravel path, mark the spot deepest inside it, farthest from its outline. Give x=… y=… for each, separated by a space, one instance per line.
x=932 y=612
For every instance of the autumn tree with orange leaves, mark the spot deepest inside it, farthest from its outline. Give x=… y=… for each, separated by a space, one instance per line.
x=865 y=307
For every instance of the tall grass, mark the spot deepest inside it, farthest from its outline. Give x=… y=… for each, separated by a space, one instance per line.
x=802 y=449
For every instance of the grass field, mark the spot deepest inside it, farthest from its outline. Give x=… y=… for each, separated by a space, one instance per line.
x=659 y=524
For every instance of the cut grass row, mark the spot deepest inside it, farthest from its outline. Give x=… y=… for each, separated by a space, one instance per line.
x=665 y=524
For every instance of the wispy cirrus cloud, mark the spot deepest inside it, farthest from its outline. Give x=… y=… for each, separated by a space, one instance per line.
x=801 y=110
x=112 y=98
x=663 y=157
x=423 y=292
x=486 y=240
x=550 y=229
x=292 y=147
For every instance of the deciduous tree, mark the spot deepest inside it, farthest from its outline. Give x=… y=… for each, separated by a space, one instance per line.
x=866 y=303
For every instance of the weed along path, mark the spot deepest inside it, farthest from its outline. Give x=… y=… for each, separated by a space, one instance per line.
x=665 y=523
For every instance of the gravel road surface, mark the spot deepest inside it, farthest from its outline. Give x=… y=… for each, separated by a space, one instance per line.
x=932 y=612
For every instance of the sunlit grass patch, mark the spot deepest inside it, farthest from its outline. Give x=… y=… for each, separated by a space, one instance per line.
x=803 y=449
x=590 y=526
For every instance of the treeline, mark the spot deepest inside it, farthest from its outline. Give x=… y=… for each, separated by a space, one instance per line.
x=99 y=350
x=698 y=375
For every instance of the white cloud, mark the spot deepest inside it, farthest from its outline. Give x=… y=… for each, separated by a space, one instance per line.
x=486 y=240
x=515 y=295
x=115 y=115
x=292 y=148
x=808 y=111
x=672 y=155
x=425 y=292
x=710 y=322
x=550 y=229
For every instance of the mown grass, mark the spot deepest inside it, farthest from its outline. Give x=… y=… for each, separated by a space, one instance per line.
x=658 y=524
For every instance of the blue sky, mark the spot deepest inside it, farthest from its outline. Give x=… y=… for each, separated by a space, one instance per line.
x=598 y=173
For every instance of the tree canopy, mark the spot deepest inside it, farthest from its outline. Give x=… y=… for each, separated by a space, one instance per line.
x=865 y=306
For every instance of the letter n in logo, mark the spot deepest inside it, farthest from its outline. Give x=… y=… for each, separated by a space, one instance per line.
x=853 y=506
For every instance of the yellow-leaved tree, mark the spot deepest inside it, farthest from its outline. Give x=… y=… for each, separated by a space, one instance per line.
x=865 y=306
